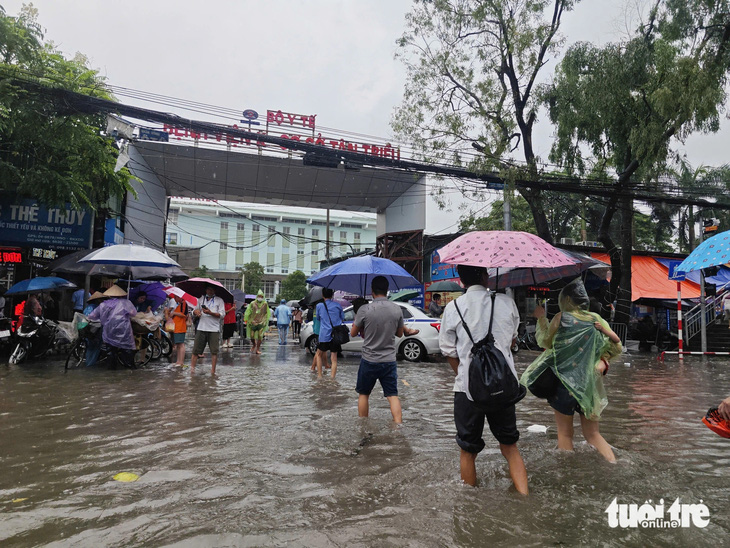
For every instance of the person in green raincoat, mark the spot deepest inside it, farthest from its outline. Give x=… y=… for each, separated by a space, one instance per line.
x=257 y=320
x=579 y=345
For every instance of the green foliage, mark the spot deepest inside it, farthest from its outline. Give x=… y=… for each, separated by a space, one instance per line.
x=472 y=67
x=46 y=152
x=626 y=101
x=294 y=286
x=200 y=272
x=253 y=277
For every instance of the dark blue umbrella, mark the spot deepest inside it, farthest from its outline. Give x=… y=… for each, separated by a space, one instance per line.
x=356 y=274
x=36 y=285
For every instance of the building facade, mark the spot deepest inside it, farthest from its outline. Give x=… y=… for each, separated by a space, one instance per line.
x=224 y=236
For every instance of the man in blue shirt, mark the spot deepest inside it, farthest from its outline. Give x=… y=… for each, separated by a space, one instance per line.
x=330 y=315
x=77 y=298
x=283 y=319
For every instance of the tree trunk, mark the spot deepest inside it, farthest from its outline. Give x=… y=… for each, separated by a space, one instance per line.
x=623 y=298
x=534 y=200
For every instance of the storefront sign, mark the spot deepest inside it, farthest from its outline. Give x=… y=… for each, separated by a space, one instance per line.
x=26 y=223
x=287 y=125
x=10 y=256
x=442 y=271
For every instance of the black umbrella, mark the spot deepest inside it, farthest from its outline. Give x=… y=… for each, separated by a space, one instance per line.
x=444 y=286
x=69 y=264
x=314 y=295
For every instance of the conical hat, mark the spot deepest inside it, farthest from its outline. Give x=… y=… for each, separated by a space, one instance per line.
x=97 y=295
x=115 y=291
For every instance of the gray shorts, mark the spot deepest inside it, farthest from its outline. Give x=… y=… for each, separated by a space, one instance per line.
x=211 y=338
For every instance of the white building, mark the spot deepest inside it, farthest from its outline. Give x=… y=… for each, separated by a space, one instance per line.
x=224 y=236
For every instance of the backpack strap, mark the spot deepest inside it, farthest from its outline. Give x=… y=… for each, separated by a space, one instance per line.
x=491 y=318
x=491 y=313
x=463 y=322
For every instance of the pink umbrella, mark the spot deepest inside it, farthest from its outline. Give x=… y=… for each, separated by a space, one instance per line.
x=187 y=297
x=501 y=248
x=196 y=286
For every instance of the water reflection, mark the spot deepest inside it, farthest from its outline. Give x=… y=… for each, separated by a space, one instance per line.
x=267 y=454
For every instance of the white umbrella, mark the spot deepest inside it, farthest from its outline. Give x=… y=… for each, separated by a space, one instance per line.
x=129 y=255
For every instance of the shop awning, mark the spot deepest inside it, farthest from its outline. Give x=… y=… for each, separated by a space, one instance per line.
x=650 y=279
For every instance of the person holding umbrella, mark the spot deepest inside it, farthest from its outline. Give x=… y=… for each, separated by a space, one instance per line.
x=257 y=319
x=330 y=315
x=296 y=322
x=474 y=310
x=435 y=309
x=210 y=310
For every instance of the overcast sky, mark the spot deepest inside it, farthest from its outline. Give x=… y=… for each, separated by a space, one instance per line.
x=332 y=58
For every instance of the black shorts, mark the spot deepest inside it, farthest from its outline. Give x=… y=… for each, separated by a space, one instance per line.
x=469 y=421
x=228 y=329
x=564 y=402
x=330 y=346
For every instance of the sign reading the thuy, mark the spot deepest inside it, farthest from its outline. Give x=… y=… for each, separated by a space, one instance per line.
x=26 y=223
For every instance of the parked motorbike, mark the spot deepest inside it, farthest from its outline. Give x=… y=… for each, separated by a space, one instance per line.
x=35 y=337
x=6 y=333
x=525 y=338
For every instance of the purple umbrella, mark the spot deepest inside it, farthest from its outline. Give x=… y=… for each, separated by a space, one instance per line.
x=155 y=293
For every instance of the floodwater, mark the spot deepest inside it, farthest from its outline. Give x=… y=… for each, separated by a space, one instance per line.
x=264 y=454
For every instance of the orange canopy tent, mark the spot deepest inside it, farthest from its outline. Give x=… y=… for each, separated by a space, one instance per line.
x=650 y=279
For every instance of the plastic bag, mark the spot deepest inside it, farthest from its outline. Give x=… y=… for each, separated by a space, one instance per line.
x=170 y=326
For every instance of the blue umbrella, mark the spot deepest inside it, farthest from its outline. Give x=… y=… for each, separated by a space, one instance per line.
x=712 y=252
x=356 y=274
x=35 y=285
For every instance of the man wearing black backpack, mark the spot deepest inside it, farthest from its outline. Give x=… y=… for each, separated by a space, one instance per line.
x=456 y=340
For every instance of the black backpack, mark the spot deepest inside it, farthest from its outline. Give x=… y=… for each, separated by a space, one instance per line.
x=492 y=384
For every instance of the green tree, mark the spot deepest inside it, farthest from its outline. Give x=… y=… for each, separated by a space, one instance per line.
x=294 y=286
x=47 y=152
x=472 y=70
x=253 y=277
x=618 y=108
x=200 y=272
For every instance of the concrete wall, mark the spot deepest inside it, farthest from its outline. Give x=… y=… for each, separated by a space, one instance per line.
x=144 y=213
x=407 y=213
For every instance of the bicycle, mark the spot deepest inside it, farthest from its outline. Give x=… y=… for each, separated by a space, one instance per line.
x=525 y=338
x=77 y=355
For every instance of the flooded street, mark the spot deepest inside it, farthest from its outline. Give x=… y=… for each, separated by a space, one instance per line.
x=267 y=455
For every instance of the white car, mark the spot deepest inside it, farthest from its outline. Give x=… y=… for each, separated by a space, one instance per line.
x=413 y=348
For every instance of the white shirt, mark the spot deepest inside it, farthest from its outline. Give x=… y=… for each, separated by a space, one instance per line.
x=475 y=305
x=208 y=322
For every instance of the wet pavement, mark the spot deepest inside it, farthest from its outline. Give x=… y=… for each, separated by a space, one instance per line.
x=266 y=454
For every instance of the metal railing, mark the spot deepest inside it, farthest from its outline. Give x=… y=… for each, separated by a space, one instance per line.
x=621 y=329
x=693 y=319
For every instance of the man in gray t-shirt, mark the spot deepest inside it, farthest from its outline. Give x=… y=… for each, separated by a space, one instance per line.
x=379 y=323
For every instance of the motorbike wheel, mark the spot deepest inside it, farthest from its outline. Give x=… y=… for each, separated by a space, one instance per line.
x=19 y=354
x=143 y=354
x=515 y=347
x=77 y=355
x=156 y=348
x=166 y=345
